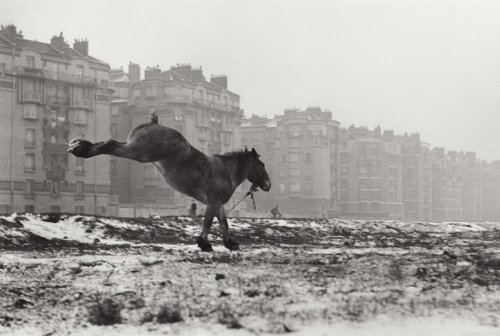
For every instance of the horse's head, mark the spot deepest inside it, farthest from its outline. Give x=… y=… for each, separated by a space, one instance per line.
x=258 y=174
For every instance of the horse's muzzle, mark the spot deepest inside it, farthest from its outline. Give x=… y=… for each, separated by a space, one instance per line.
x=266 y=186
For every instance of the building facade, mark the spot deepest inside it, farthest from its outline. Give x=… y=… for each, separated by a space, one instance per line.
x=300 y=150
x=205 y=111
x=370 y=174
x=51 y=93
x=417 y=178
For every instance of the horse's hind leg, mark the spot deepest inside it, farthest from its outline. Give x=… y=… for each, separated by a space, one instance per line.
x=229 y=242
x=86 y=149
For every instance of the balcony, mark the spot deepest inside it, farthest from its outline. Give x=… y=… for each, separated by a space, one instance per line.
x=55 y=174
x=213 y=105
x=27 y=72
x=82 y=103
x=59 y=148
x=71 y=78
x=32 y=97
x=56 y=100
x=47 y=74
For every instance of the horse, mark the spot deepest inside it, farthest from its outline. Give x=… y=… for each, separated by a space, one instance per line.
x=211 y=180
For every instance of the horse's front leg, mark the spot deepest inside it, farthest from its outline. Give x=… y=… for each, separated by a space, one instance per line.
x=229 y=242
x=202 y=240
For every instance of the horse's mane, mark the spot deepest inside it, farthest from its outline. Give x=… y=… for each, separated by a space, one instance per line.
x=235 y=153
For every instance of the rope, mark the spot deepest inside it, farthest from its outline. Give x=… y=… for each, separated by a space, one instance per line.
x=253 y=189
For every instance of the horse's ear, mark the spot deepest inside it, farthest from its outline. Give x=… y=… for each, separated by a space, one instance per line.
x=246 y=149
x=254 y=152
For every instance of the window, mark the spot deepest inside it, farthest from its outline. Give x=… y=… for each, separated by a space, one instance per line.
x=308 y=187
x=113 y=130
x=29 y=208
x=80 y=136
x=294 y=187
x=294 y=157
x=79 y=70
x=29 y=85
x=29 y=188
x=79 y=210
x=282 y=188
x=150 y=91
x=282 y=172
x=4 y=209
x=80 y=165
x=294 y=172
x=80 y=117
x=30 y=61
x=30 y=111
x=55 y=208
x=29 y=163
x=307 y=171
x=79 y=190
x=29 y=138
x=54 y=189
x=294 y=130
x=282 y=158
x=308 y=157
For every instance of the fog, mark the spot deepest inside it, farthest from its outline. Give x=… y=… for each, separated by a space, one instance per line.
x=416 y=66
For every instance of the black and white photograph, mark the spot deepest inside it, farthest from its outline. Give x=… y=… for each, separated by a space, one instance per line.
x=247 y=168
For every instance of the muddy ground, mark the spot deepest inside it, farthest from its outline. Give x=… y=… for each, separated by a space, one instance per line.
x=145 y=276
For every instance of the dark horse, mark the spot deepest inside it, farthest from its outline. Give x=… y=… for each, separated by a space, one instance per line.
x=209 y=179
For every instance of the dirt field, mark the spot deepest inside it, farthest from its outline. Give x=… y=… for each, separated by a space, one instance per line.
x=94 y=276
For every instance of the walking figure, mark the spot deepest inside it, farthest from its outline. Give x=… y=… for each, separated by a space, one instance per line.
x=275 y=212
x=192 y=211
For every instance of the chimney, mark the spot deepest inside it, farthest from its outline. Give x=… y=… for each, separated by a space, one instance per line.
x=134 y=73
x=82 y=46
x=197 y=74
x=58 y=42
x=219 y=80
x=182 y=69
x=152 y=73
x=10 y=32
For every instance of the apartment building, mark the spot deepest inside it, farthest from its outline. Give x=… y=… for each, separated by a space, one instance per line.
x=300 y=150
x=417 y=177
x=446 y=185
x=491 y=191
x=370 y=174
x=205 y=111
x=51 y=93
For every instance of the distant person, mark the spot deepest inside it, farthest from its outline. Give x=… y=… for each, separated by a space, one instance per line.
x=275 y=212
x=192 y=210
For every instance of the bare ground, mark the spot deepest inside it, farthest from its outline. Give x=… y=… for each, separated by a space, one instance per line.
x=289 y=276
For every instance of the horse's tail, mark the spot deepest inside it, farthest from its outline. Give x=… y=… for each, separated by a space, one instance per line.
x=154 y=121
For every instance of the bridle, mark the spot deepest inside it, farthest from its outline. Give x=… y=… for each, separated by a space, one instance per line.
x=253 y=188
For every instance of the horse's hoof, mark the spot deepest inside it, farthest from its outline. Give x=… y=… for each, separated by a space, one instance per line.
x=79 y=147
x=204 y=245
x=231 y=245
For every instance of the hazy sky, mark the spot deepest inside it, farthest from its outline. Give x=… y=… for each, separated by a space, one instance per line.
x=426 y=66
